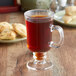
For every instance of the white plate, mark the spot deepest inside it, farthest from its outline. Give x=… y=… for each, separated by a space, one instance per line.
x=58 y=18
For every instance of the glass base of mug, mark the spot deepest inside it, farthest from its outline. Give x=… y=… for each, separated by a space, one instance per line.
x=39 y=65
x=39 y=62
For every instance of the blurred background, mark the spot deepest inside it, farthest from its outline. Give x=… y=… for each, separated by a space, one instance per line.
x=23 y=5
x=64 y=57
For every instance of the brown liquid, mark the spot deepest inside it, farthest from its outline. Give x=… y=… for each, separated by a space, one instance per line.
x=39 y=56
x=38 y=33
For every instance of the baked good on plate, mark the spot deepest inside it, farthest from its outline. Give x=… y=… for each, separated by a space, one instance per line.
x=5 y=25
x=69 y=19
x=20 y=29
x=70 y=15
x=7 y=35
x=70 y=10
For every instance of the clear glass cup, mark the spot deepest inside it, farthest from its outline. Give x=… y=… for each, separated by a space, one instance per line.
x=58 y=5
x=71 y=2
x=39 y=24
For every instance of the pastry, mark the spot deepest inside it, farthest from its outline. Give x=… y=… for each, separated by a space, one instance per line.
x=7 y=35
x=70 y=15
x=69 y=19
x=5 y=25
x=70 y=10
x=20 y=29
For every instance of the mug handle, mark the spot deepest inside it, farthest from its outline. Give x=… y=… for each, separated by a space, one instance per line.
x=60 y=30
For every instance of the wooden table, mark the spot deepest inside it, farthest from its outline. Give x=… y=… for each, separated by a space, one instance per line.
x=64 y=57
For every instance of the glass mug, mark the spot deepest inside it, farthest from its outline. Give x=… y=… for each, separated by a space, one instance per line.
x=39 y=24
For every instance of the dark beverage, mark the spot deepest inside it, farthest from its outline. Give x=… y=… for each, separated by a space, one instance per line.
x=38 y=33
x=39 y=23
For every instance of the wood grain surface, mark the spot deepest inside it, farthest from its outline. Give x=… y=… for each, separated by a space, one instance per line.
x=64 y=58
